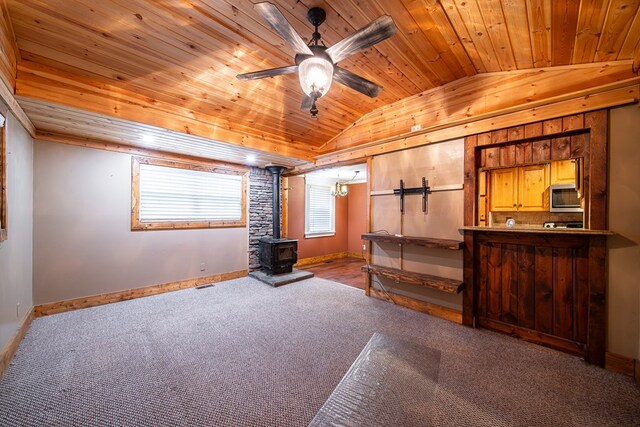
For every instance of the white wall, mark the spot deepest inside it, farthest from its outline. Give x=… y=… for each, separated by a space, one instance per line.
x=83 y=243
x=624 y=219
x=16 y=251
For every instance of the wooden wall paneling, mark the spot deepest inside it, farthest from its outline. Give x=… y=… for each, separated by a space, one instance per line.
x=544 y=289
x=589 y=26
x=507 y=155
x=598 y=122
x=494 y=21
x=509 y=284
x=8 y=49
x=552 y=126
x=482 y=281
x=578 y=145
x=491 y=157
x=517 y=24
x=560 y=148
x=596 y=341
x=564 y=19
x=524 y=153
x=494 y=277
x=532 y=130
x=526 y=286
x=470 y=166
x=581 y=294
x=541 y=151
x=620 y=16
x=563 y=288
x=539 y=12
x=573 y=122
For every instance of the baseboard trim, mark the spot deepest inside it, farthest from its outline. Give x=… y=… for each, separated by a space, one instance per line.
x=321 y=258
x=623 y=364
x=421 y=306
x=355 y=255
x=11 y=347
x=111 y=297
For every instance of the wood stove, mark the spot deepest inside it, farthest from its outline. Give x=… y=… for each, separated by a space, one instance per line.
x=277 y=255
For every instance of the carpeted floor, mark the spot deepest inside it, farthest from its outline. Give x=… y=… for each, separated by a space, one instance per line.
x=244 y=354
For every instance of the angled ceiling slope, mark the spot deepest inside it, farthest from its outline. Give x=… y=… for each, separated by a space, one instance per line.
x=173 y=64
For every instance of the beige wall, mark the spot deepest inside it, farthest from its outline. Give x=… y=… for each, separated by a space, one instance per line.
x=356 y=217
x=83 y=244
x=624 y=219
x=441 y=164
x=16 y=251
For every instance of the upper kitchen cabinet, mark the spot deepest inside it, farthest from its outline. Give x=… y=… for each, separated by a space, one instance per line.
x=519 y=189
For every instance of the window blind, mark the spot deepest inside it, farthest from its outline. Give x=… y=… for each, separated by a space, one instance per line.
x=172 y=195
x=320 y=210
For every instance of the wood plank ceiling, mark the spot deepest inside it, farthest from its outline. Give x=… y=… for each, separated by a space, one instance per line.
x=172 y=64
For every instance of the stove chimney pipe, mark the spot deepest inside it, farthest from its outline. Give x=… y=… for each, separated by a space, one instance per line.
x=275 y=175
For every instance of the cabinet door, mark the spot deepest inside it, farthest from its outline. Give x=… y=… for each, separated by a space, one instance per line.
x=504 y=189
x=532 y=183
x=563 y=172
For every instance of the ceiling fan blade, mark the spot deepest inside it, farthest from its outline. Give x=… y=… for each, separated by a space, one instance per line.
x=356 y=82
x=307 y=102
x=279 y=23
x=372 y=33
x=268 y=73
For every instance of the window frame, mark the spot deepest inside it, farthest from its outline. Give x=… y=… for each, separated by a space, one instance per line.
x=330 y=233
x=137 y=225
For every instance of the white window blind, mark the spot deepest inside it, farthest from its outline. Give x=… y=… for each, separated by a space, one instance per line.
x=319 y=210
x=173 y=195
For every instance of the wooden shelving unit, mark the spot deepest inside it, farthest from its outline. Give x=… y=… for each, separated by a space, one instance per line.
x=420 y=279
x=427 y=242
x=442 y=284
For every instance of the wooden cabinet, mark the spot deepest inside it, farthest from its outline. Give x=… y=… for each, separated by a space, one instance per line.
x=504 y=189
x=563 y=172
x=519 y=189
x=532 y=184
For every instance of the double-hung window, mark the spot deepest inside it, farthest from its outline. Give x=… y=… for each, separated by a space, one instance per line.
x=169 y=195
x=320 y=209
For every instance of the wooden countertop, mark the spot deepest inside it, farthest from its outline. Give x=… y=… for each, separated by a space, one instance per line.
x=539 y=230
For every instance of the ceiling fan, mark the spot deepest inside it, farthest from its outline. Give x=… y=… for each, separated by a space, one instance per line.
x=316 y=64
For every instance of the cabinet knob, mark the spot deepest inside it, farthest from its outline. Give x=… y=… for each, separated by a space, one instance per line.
x=514 y=205
x=520 y=205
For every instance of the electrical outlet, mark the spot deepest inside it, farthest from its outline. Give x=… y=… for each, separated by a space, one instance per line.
x=364 y=247
x=203 y=266
x=415 y=128
x=18 y=310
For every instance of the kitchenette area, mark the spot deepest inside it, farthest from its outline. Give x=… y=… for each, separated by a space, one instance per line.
x=535 y=232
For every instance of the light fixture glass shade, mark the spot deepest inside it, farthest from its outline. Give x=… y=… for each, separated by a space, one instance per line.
x=339 y=190
x=315 y=74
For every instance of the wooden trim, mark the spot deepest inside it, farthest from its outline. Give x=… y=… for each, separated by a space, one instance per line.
x=7 y=95
x=137 y=225
x=130 y=149
x=355 y=255
x=496 y=120
x=417 y=305
x=597 y=327
x=637 y=371
x=536 y=337
x=11 y=346
x=321 y=258
x=368 y=252
x=3 y=183
x=619 y=363
x=111 y=297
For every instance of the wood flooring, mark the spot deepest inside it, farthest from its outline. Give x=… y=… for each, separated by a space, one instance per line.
x=346 y=271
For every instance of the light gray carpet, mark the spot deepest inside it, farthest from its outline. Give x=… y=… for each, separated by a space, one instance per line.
x=243 y=353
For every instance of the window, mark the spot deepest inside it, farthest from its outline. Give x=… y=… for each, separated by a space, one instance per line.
x=169 y=195
x=3 y=180
x=320 y=209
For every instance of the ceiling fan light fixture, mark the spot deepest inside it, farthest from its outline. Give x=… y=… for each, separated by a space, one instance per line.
x=316 y=75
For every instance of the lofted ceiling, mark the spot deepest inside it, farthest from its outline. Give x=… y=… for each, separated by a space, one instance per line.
x=171 y=64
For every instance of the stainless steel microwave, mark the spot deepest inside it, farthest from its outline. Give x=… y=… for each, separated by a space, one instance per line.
x=564 y=198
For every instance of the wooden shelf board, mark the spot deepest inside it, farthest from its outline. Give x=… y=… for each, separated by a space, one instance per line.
x=454 y=245
x=425 y=280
